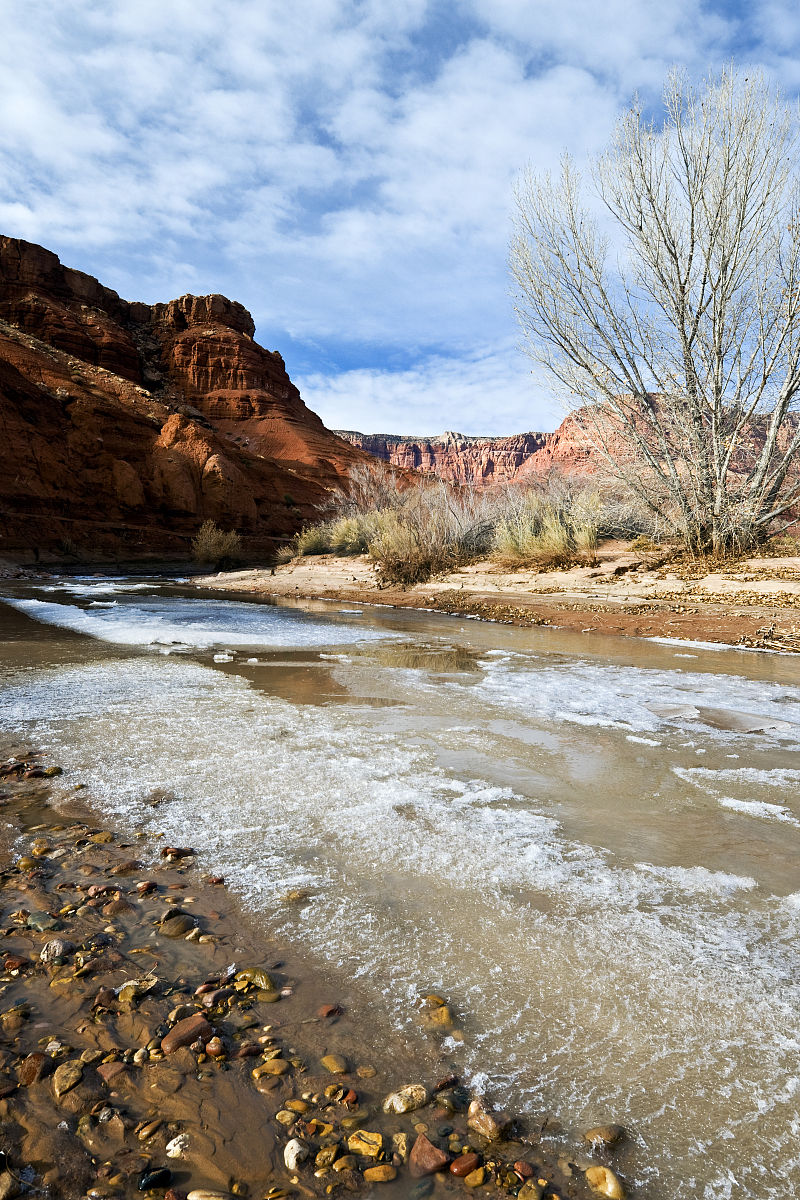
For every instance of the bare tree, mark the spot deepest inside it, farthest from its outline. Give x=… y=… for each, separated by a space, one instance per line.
x=676 y=336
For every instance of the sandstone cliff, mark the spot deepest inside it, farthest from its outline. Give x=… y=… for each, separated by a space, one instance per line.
x=123 y=425
x=481 y=460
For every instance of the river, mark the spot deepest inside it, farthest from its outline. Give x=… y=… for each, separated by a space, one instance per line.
x=590 y=845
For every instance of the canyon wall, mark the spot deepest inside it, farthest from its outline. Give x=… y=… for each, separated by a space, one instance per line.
x=124 y=425
x=481 y=460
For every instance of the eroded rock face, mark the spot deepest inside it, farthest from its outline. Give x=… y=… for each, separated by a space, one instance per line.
x=481 y=460
x=126 y=425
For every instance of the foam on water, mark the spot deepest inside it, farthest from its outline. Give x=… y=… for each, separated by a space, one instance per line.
x=200 y=624
x=606 y=990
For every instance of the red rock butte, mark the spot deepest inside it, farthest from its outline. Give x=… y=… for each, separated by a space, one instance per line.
x=125 y=425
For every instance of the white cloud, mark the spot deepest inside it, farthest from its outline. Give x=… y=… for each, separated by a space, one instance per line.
x=343 y=167
x=484 y=392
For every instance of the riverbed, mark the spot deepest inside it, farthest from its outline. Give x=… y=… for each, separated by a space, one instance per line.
x=588 y=844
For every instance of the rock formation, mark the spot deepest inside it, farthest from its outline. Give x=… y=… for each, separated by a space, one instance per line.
x=481 y=460
x=125 y=425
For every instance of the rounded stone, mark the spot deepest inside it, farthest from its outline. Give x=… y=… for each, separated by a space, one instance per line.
x=383 y=1173
x=604 y=1182
x=335 y=1064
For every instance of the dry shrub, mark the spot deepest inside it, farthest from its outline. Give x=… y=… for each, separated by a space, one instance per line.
x=214 y=545
x=431 y=527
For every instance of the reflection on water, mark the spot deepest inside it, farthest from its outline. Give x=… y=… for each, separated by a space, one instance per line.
x=591 y=845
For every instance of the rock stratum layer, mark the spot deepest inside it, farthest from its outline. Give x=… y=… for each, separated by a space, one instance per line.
x=125 y=425
x=481 y=460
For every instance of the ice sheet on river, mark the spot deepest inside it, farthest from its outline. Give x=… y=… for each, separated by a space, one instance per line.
x=200 y=624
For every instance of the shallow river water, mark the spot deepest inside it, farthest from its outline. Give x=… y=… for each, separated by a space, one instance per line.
x=590 y=845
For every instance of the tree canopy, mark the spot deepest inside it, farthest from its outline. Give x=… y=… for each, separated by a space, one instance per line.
x=669 y=316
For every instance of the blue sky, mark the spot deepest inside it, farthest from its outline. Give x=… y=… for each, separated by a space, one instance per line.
x=343 y=168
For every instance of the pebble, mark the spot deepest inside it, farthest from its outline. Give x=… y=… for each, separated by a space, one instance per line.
x=475 y=1178
x=490 y=1125
x=275 y=1066
x=365 y=1142
x=383 y=1173
x=400 y=1145
x=67 y=1076
x=604 y=1182
x=177 y=924
x=294 y=1153
x=425 y=1158
x=335 y=1064
x=205 y=1194
x=178 y=1146
x=33 y=1068
x=57 y=949
x=158 y=1177
x=325 y=1156
x=604 y=1136
x=149 y=1129
x=406 y=1099
x=464 y=1165
x=346 y=1163
x=189 y=1030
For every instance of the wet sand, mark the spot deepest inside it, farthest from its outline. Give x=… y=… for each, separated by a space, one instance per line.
x=153 y=1042
x=755 y=603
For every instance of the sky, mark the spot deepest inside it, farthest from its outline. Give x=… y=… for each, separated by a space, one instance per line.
x=344 y=168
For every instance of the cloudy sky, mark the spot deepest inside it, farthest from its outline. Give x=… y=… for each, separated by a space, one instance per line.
x=342 y=167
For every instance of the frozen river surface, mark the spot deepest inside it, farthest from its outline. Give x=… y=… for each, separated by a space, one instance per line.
x=591 y=846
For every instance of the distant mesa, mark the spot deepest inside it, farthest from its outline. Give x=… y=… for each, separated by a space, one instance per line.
x=480 y=460
x=125 y=425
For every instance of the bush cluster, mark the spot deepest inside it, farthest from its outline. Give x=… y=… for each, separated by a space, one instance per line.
x=414 y=531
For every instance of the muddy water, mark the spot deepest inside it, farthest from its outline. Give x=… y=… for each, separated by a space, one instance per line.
x=591 y=845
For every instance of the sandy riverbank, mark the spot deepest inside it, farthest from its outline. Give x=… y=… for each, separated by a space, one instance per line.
x=151 y=1042
x=755 y=603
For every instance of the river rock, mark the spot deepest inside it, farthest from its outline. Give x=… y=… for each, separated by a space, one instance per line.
x=275 y=1066
x=213 y=998
x=362 y=1141
x=190 y=1029
x=425 y=1158
x=57 y=949
x=335 y=1064
x=383 y=1173
x=464 y=1165
x=604 y=1136
x=205 y=1194
x=490 y=1125
x=125 y=868
x=156 y=1177
x=33 y=1068
x=294 y=1153
x=406 y=1099
x=67 y=1076
x=604 y=1182
x=110 y=1071
x=475 y=1178
x=177 y=924
x=178 y=1146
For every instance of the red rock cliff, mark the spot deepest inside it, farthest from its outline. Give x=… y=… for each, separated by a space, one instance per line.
x=481 y=460
x=125 y=425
